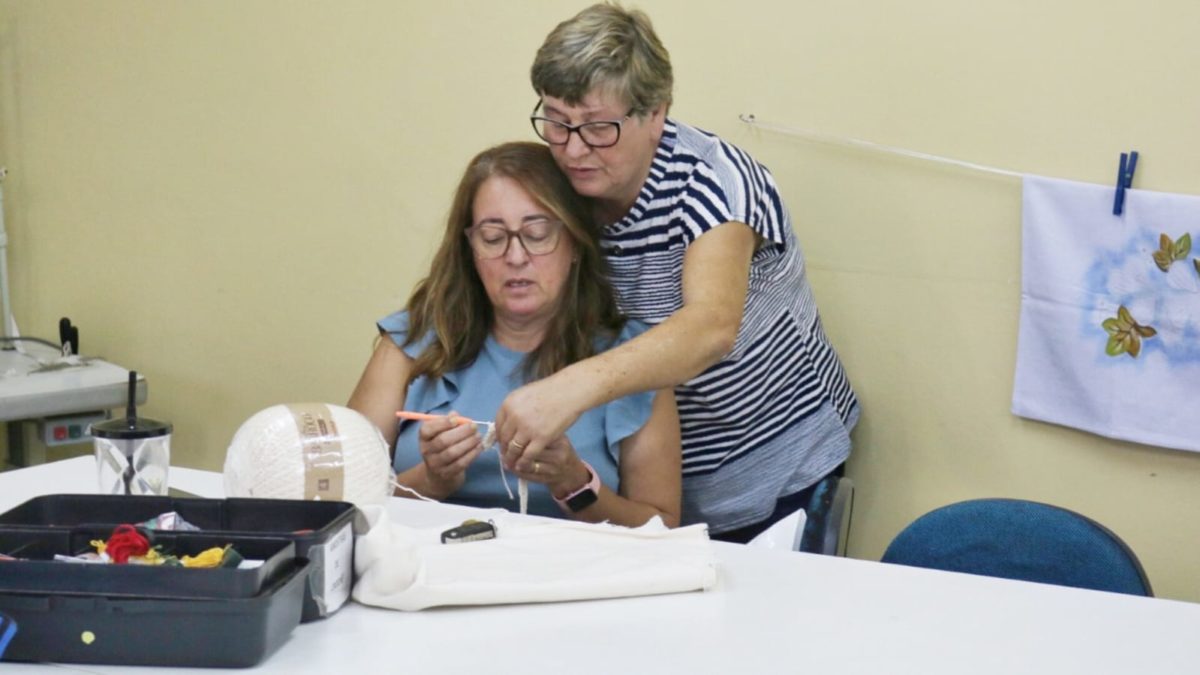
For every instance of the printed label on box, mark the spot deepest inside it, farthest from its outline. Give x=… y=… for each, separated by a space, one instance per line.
x=339 y=568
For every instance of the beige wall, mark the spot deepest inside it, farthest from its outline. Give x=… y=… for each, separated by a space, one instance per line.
x=225 y=195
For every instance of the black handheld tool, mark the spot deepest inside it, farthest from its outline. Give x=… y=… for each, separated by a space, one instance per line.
x=471 y=530
x=68 y=335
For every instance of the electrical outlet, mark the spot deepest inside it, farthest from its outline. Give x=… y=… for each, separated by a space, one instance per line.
x=69 y=429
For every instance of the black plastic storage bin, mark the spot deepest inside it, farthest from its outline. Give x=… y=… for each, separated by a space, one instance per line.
x=322 y=531
x=123 y=630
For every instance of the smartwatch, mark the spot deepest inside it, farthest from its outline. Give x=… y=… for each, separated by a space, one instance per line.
x=584 y=496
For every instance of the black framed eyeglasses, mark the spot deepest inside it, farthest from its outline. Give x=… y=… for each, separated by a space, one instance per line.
x=599 y=134
x=538 y=237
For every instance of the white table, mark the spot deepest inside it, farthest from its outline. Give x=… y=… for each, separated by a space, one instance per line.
x=772 y=612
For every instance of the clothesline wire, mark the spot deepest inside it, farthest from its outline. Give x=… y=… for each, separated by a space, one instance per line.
x=753 y=121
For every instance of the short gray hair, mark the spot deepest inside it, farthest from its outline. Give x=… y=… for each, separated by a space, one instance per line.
x=609 y=48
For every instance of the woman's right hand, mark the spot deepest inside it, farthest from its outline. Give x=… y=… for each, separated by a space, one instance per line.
x=447 y=449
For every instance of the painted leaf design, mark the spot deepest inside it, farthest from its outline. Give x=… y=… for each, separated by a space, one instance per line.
x=1164 y=256
x=1168 y=251
x=1125 y=334
x=1183 y=246
x=1115 y=346
x=1132 y=344
x=1196 y=263
x=1124 y=318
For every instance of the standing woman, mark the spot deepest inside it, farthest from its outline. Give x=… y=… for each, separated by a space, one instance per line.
x=701 y=247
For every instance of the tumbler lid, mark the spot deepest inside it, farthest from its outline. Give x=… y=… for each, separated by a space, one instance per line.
x=122 y=429
x=131 y=426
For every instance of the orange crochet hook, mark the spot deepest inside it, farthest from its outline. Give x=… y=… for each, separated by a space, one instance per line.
x=424 y=417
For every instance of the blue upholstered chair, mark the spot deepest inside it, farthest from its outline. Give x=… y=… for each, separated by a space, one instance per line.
x=828 y=517
x=1018 y=539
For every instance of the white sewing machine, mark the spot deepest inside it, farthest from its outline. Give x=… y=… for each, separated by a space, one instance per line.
x=61 y=396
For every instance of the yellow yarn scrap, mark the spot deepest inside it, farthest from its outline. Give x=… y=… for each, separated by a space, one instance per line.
x=210 y=558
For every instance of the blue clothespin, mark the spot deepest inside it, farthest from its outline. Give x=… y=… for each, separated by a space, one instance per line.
x=8 y=628
x=1124 y=180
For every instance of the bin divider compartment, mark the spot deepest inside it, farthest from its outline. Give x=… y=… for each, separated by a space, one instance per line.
x=37 y=571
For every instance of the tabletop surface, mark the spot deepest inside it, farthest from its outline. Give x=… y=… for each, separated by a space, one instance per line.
x=771 y=611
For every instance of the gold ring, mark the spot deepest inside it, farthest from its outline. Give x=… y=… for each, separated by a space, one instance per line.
x=537 y=466
x=519 y=446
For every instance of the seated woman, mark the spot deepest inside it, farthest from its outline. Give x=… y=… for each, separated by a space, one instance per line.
x=516 y=292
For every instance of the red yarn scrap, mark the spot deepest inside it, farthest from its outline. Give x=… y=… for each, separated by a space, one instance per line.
x=126 y=541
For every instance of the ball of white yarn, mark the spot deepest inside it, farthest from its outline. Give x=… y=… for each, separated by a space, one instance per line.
x=267 y=456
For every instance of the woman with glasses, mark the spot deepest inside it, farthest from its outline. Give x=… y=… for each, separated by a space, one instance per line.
x=699 y=246
x=516 y=292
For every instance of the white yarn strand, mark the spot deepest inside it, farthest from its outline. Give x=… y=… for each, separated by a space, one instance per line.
x=418 y=495
x=489 y=442
x=750 y=119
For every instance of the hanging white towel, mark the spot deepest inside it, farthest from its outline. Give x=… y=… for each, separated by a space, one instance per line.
x=1110 y=312
x=530 y=560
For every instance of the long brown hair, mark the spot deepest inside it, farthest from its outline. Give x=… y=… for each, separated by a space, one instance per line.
x=452 y=303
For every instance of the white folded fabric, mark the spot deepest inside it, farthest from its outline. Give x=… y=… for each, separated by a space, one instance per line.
x=530 y=560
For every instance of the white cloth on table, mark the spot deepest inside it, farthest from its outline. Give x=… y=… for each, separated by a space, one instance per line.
x=406 y=568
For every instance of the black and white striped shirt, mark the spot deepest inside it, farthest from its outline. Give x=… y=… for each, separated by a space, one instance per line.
x=773 y=416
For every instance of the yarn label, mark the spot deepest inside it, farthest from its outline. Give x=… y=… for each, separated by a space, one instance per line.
x=321 y=446
x=339 y=568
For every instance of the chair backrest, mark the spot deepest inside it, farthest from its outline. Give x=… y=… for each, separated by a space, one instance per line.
x=828 y=517
x=1018 y=539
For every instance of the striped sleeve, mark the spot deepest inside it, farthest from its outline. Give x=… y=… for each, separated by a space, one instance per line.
x=725 y=184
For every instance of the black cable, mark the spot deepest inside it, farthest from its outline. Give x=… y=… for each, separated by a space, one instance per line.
x=30 y=339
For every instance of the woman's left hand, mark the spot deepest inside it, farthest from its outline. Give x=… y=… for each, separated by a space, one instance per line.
x=534 y=416
x=556 y=466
